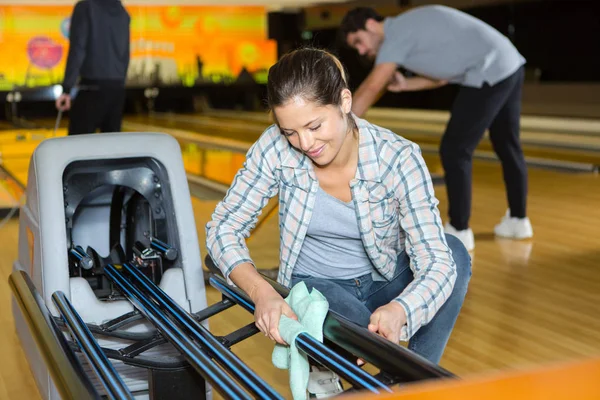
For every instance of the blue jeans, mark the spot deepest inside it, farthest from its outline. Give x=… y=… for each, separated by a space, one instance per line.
x=357 y=298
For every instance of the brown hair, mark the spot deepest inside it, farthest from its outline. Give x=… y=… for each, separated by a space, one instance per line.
x=312 y=74
x=356 y=20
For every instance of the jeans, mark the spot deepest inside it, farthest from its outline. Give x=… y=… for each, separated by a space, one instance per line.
x=357 y=298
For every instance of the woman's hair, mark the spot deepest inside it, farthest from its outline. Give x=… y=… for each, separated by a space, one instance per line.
x=312 y=74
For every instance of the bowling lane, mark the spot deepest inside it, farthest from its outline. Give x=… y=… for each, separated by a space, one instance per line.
x=530 y=302
x=16 y=147
x=560 y=139
x=565 y=143
x=11 y=193
x=16 y=380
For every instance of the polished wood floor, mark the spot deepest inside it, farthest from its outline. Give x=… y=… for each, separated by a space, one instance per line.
x=530 y=303
x=572 y=140
x=563 y=139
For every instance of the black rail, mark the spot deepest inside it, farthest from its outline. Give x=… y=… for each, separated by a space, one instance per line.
x=315 y=349
x=380 y=352
x=216 y=349
x=112 y=327
x=199 y=360
x=110 y=379
x=68 y=375
x=396 y=360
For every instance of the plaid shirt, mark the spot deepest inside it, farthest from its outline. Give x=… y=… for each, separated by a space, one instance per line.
x=396 y=211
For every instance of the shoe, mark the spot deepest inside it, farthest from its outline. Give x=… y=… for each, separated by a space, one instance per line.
x=323 y=384
x=465 y=236
x=514 y=228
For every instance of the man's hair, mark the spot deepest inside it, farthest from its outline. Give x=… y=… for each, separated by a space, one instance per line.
x=356 y=19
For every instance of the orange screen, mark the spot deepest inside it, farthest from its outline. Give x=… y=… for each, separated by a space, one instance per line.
x=177 y=44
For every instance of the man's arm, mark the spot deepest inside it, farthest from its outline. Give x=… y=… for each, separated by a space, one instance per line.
x=78 y=37
x=372 y=87
x=422 y=83
x=412 y=84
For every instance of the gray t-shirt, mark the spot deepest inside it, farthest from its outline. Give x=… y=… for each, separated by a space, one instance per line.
x=444 y=43
x=332 y=247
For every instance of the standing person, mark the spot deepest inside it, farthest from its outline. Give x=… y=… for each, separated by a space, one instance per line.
x=358 y=217
x=99 y=56
x=441 y=45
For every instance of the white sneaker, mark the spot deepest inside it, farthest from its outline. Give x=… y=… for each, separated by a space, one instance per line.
x=465 y=236
x=514 y=228
x=323 y=384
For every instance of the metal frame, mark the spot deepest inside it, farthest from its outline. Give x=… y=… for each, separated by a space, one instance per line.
x=201 y=335
x=110 y=379
x=356 y=341
x=344 y=342
x=196 y=355
x=68 y=375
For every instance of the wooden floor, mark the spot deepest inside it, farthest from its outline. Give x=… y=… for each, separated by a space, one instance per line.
x=563 y=139
x=530 y=303
x=573 y=140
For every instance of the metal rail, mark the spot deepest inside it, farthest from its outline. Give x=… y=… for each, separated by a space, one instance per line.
x=311 y=346
x=64 y=367
x=110 y=379
x=199 y=333
x=394 y=359
x=190 y=350
x=380 y=352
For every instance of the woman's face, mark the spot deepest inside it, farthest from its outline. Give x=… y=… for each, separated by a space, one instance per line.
x=320 y=132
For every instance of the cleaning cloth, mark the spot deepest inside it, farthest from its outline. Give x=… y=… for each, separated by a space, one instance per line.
x=311 y=309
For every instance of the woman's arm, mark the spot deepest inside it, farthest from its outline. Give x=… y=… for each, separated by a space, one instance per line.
x=433 y=267
x=237 y=214
x=233 y=220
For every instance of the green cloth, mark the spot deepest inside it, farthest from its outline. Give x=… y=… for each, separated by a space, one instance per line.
x=311 y=309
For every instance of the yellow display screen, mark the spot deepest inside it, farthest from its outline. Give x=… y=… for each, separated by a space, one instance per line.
x=171 y=45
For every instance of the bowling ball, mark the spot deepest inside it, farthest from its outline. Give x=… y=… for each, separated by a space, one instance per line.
x=65 y=26
x=43 y=52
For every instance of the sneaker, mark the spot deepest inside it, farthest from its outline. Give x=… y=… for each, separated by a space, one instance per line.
x=514 y=228
x=465 y=236
x=323 y=384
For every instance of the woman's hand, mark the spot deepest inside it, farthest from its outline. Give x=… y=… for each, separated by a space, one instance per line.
x=268 y=308
x=268 y=304
x=388 y=320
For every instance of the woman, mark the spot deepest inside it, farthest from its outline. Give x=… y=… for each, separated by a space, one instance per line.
x=358 y=215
